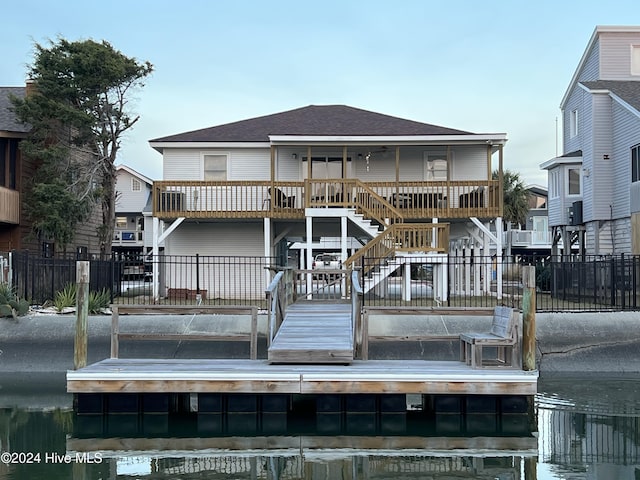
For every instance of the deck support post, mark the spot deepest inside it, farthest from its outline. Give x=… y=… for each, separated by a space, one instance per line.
x=82 y=312
x=406 y=281
x=268 y=252
x=529 y=318
x=309 y=221
x=343 y=253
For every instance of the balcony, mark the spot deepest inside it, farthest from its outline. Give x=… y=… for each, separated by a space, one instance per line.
x=9 y=206
x=260 y=199
x=127 y=238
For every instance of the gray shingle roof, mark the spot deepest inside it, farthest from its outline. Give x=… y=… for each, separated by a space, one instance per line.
x=629 y=91
x=321 y=120
x=8 y=121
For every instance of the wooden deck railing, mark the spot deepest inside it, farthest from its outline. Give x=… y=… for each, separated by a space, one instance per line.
x=9 y=206
x=404 y=237
x=351 y=193
x=387 y=202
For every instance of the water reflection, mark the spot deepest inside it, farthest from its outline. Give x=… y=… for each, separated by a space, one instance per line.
x=587 y=430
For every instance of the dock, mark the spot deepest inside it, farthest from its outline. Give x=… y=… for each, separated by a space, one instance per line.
x=315 y=350
x=262 y=377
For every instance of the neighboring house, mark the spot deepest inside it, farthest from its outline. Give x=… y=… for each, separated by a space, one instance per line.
x=370 y=185
x=534 y=238
x=594 y=186
x=16 y=172
x=132 y=233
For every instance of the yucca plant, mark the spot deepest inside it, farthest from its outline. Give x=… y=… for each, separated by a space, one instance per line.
x=65 y=298
x=10 y=304
x=98 y=301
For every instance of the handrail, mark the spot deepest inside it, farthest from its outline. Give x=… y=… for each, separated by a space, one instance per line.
x=273 y=294
x=405 y=237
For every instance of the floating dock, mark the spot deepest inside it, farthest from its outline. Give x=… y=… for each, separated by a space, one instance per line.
x=259 y=376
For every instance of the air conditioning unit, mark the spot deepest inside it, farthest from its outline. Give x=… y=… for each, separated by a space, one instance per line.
x=575 y=213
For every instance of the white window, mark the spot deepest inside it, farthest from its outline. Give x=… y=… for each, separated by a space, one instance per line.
x=215 y=167
x=635 y=59
x=635 y=163
x=574 y=178
x=436 y=167
x=573 y=123
x=554 y=184
x=121 y=223
x=136 y=186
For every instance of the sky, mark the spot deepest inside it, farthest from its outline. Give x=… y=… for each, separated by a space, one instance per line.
x=491 y=66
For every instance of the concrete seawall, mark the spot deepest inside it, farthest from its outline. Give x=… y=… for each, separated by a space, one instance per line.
x=566 y=342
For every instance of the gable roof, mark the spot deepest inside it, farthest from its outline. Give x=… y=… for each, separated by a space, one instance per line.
x=592 y=41
x=628 y=90
x=316 y=120
x=8 y=120
x=131 y=171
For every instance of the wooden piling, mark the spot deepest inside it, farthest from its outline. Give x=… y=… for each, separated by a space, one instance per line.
x=529 y=318
x=82 y=313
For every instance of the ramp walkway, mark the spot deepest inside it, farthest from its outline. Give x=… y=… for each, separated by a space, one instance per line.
x=314 y=332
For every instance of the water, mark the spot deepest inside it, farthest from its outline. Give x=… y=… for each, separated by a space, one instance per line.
x=588 y=428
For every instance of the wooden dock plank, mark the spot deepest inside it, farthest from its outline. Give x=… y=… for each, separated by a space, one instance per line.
x=260 y=376
x=314 y=332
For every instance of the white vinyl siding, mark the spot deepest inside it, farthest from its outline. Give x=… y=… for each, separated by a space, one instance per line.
x=591 y=67
x=578 y=102
x=626 y=134
x=181 y=164
x=218 y=239
x=599 y=161
x=616 y=55
x=243 y=164
x=129 y=200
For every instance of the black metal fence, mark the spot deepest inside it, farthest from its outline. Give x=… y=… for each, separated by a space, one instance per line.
x=563 y=283
x=181 y=279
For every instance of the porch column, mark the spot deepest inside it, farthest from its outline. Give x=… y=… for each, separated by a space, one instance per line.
x=343 y=253
x=268 y=249
x=406 y=281
x=155 y=251
x=309 y=266
x=499 y=258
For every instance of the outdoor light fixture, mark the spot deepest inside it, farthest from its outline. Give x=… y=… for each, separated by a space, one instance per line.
x=294 y=156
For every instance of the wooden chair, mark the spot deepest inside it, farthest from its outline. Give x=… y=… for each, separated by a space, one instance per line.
x=503 y=337
x=280 y=200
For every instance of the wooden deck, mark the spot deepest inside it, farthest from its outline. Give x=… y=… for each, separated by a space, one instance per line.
x=261 y=377
x=314 y=332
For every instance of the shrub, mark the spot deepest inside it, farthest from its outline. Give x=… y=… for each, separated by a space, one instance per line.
x=10 y=304
x=98 y=301
x=65 y=298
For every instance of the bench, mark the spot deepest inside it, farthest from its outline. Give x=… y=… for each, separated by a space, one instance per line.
x=166 y=310
x=503 y=336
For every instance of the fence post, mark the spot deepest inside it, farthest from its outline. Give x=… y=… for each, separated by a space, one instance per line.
x=529 y=318
x=82 y=312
